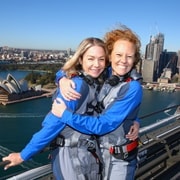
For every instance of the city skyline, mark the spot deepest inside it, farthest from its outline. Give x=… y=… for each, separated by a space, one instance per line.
x=59 y=25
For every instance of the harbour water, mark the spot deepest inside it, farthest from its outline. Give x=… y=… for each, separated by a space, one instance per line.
x=18 y=122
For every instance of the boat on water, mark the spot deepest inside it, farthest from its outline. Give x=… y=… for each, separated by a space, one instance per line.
x=159 y=151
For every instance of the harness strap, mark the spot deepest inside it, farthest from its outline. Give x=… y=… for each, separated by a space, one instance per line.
x=131 y=146
x=74 y=139
x=60 y=141
x=74 y=154
x=126 y=147
x=76 y=163
x=107 y=158
x=123 y=151
x=91 y=145
x=115 y=149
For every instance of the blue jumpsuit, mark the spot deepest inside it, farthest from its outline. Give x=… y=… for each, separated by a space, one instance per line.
x=74 y=160
x=120 y=108
x=63 y=168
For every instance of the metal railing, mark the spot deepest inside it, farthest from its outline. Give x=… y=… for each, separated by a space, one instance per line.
x=158 y=149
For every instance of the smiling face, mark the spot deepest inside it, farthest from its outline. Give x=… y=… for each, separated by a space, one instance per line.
x=122 y=57
x=93 y=61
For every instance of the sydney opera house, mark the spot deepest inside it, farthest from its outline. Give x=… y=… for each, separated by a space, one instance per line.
x=14 y=90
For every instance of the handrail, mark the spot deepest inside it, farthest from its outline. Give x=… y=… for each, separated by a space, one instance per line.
x=159 y=123
x=156 y=112
x=33 y=173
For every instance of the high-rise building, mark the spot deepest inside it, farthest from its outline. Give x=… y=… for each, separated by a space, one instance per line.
x=159 y=63
x=153 y=50
x=155 y=47
x=168 y=60
x=147 y=70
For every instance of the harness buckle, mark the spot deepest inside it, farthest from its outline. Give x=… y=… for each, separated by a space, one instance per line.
x=125 y=155
x=117 y=152
x=123 y=151
x=60 y=140
x=91 y=146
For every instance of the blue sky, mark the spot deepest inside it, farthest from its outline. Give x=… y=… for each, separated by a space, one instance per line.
x=62 y=24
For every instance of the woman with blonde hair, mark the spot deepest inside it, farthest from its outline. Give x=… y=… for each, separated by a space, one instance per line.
x=73 y=156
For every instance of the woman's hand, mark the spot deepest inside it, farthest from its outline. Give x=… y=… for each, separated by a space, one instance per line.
x=58 y=107
x=133 y=132
x=67 y=87
x=14 y=159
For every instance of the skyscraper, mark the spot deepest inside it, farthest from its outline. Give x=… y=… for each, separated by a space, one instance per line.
x=153 y=50
x=155 y=47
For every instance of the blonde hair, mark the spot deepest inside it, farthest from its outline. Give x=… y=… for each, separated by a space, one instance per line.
x=73 y=66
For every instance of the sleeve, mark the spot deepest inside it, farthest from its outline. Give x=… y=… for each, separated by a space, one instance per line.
x=110 y=118
x=59 y=75
x=138 y=120
x=52 y=126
